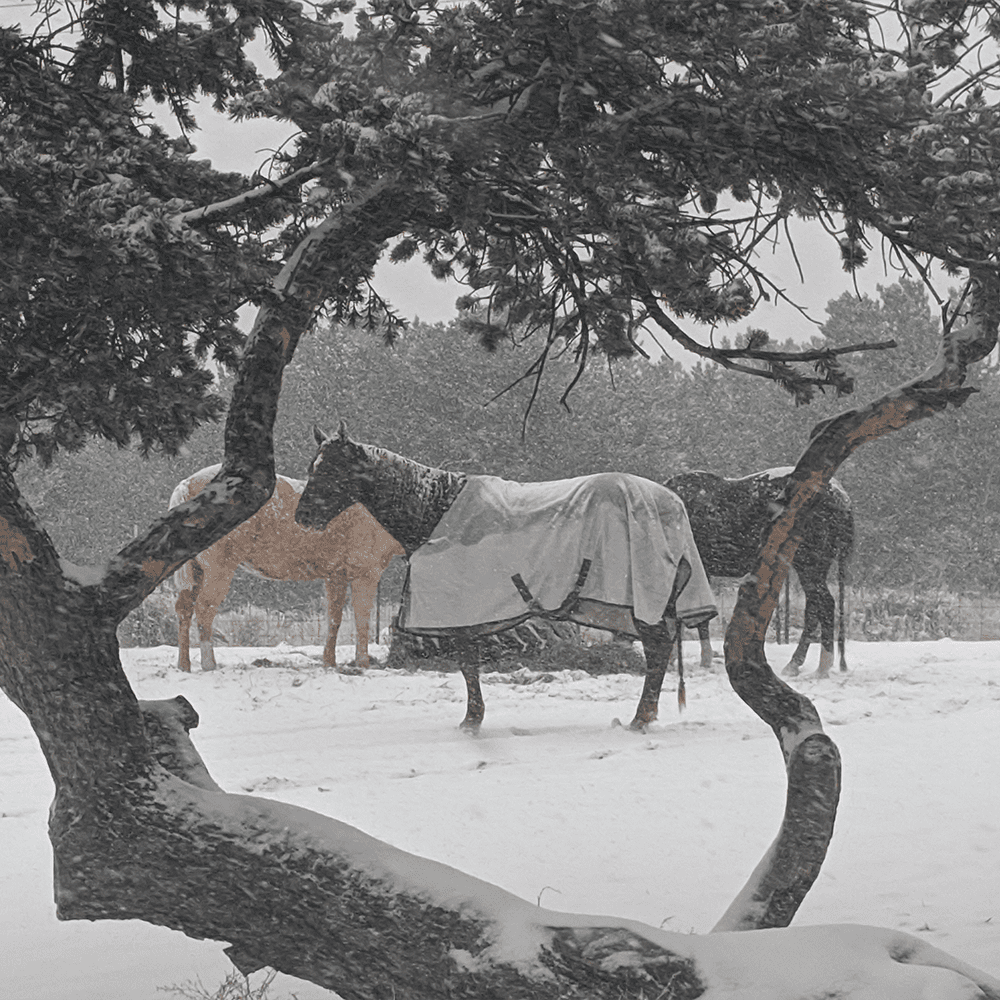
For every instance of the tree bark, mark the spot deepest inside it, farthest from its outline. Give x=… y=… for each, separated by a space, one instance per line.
x=790 y=866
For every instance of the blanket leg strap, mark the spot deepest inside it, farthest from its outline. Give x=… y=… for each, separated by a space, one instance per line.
x=536 y=608
x=681 y=696
x=522 y=589
x=574 y=594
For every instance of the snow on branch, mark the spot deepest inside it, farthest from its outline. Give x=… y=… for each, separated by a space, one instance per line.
x=263 y=191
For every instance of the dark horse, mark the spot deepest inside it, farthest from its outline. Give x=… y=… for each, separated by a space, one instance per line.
x=729 y=518
x=409 y=499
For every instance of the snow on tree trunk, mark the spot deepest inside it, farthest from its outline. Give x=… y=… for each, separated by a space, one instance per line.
x=315 y=898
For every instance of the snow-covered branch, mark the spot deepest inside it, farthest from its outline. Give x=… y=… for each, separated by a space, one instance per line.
x=259 y=193
x=316 y=898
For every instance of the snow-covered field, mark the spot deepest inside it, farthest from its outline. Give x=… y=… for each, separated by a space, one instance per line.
x=553 y=802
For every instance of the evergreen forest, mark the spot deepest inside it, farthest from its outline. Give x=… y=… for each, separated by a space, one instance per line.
x=924 y=500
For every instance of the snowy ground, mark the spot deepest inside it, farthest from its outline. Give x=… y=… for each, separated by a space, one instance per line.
x=553 y=802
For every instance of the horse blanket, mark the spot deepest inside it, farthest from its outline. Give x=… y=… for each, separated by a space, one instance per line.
x=600 y=550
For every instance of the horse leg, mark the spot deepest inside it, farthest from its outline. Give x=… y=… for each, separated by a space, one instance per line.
x=363 y=591
x=819 y=613
x=468 y=662
x=706 y=646
x=826 y=614
x=658 y=647
x=336 y=598
x=809 y=617
x=184 y=607
x=217 y=577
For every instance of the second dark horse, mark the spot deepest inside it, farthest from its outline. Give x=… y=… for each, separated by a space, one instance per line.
x=409 y=500
x=729 y=518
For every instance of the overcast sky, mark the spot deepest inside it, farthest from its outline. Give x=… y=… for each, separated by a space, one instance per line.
x=415 y=293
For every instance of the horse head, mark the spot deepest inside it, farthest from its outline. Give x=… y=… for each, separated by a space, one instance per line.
x=406 y=498
x=335 y=475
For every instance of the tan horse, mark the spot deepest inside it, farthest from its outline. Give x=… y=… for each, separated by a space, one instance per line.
x=354 y=549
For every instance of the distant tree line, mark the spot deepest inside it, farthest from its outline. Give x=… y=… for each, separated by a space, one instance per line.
x=437 y=396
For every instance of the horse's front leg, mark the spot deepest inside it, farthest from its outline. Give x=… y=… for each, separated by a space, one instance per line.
x=475 y=708
x=468 y=661
x=336 y=598
x=658 y=646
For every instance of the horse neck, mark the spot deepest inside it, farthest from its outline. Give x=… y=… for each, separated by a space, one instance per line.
x=408 y=499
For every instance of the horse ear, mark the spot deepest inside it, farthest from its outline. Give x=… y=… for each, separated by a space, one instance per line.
x=342 y=431
x=319 y=435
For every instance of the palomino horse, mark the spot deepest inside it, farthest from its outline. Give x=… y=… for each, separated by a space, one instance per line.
x=729 y=518
x=354 y=549
x=486 y=553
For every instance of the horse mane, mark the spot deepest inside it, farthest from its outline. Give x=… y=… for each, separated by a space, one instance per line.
x=406 y=497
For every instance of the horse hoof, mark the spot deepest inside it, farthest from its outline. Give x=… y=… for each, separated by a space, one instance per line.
x=790 y=671
x=470 y=726
x=638 y=726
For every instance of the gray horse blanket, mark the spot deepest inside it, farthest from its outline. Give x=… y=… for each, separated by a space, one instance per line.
x=600 y=550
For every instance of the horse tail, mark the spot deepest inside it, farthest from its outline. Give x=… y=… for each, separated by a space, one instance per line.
x=681 y=696
x=187 y=577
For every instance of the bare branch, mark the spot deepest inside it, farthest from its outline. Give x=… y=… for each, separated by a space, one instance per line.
x=726 y=356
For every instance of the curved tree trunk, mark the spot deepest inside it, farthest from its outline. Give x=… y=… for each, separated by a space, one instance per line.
x=785 y=874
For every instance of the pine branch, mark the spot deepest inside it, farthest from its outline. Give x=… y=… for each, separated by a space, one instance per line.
x=263 y=191
x=776 y=360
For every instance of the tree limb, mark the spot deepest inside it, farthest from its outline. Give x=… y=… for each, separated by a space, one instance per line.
x=246 y=479
x=726 y=356
x=259 y=193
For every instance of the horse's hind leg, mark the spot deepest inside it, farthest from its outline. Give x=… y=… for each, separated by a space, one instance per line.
x=184 y=607
x=468 y=662
x=794 y=665
x=819 y=613
x=363 y=592
x=706 y=646
x=215 y=585
x=826 y=614
x=658 y=646
x=336 y=598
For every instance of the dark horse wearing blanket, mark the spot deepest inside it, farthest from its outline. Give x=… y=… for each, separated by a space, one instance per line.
x=729 y=518
x=633 y=536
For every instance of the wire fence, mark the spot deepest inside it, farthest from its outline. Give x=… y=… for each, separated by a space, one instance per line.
x=873 y=614
x=880 y=614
